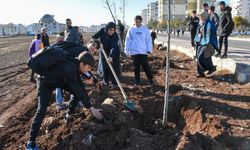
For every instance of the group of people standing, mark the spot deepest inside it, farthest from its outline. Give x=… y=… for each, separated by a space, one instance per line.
x=204 y=29
x=67 y=65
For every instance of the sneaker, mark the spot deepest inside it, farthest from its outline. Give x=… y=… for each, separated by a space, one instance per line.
x=68 y=118
x=200 y=75
x=211 y=71
x=61 y=106
x=31 y=146
x=79 y=105
x=218 y=55
x=224 y=55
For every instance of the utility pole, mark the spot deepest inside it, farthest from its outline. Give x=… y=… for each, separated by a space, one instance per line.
x=166 y=98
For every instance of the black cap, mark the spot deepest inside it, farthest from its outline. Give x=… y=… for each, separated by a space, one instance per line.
x=222 y=3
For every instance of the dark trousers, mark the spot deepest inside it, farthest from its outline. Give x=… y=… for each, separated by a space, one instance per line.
x=138 y=61
x=107 y=74
x=44 y=94
x=193 y=33
x=153 y=42
x=32 y=74
x=223 y=39
x=203 y=64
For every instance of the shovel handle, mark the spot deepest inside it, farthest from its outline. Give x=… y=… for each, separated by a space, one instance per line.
x=116 y=78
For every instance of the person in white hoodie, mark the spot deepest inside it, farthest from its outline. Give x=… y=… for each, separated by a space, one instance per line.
x=138 y=44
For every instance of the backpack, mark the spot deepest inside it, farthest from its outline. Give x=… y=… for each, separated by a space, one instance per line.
x=44 y=59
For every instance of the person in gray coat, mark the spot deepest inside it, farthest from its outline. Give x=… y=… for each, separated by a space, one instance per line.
x=71 y=33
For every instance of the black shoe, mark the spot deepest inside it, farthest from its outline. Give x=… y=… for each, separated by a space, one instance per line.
x=137 y=82
x=224 y=55
x=200 y=75
x=212 y=70
x=218 y=55
x=32 y=80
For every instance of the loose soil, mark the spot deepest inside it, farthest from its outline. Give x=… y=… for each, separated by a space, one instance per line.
x=209 y=113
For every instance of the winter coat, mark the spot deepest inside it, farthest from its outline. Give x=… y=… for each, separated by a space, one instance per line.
x=35 y=46
x=215 y=19
x=110 y=46
x=193 y=24
x=225 y=20
x=45 y=39
x=207 y=35
x=72 y=35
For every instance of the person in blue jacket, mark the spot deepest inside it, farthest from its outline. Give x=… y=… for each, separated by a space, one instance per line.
x=207 y=43
x=110 y=41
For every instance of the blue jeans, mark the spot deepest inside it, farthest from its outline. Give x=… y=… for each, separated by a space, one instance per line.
x=59 y=96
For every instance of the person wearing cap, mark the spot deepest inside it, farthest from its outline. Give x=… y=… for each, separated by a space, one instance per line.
x=110 y=41
x=35 y=45
x=224 y=28
x=66 y=75
x=207 y=42
x=71 y=33
x=138 y=44
x=45 y=37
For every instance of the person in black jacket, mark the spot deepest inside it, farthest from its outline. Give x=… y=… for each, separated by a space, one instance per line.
x=193 y=25
x=121 y=31
x=66 y=75
x=153 y=36
x=109 y=39
x=224 y=26
x=45 y=37
x=71 y=33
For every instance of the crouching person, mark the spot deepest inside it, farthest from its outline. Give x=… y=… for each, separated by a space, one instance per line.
x=207 y=43
x=63 y=74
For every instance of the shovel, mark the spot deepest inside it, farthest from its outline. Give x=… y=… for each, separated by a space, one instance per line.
x=128 y=104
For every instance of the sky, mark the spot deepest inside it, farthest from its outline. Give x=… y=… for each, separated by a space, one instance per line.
x=81 y=12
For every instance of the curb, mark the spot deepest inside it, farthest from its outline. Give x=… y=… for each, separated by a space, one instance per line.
x=240 y=70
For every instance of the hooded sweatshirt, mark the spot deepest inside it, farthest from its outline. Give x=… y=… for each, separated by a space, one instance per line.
x=138 y=41
x=35 y=46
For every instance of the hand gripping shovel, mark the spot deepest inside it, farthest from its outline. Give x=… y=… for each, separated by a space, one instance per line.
x=128 y=104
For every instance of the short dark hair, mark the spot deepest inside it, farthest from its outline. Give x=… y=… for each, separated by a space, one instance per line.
x=194 y=11
x=222 y=3
x=212 y=8
x=68 y=19
x=86 y=58
x=138 y=17
x=61 y=34
x=38 y=36
x=97 y=43
x=205 y=5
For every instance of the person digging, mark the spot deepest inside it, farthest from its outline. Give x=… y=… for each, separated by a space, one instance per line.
x=65 y=75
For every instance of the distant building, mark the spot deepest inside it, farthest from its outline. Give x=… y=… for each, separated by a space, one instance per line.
x=152 y=13
x=49 y=22
x=178 y=9
x=144 y=15
x=12 y=29
x=191 y=5
x=241 y=8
